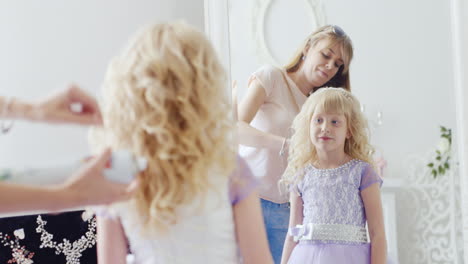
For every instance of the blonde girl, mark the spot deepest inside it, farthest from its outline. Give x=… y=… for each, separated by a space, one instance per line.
x=164 y=100
x=334 y=190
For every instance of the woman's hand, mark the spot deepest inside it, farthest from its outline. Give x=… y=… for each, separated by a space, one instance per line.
x=72 y=105
x=88 y=186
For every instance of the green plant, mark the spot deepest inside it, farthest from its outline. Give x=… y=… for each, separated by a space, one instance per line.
x=4 y=174
x=441 y=164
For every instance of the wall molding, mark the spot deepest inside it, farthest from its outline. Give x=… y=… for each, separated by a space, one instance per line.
x=259 y=11
x=429 y=225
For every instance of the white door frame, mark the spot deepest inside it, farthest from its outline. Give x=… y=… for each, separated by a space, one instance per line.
x=460 y=56
x=217 y=30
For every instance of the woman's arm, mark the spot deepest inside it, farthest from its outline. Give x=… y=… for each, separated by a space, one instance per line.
x=295 y=218
x=373 y=206
x=250 y=231
x=88 y=186
x=111 y=242
x=72 y=105
x=16 y=198
x=248 y=108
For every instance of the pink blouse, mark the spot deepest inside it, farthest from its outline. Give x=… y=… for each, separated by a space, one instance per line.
x=282 y=103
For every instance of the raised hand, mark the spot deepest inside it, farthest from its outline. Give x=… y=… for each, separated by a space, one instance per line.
x=72 y=105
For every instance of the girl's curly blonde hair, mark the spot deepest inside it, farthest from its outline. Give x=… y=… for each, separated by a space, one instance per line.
x=164 y=100
x=301 y=149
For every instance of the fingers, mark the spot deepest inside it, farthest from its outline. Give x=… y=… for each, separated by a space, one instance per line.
x=132 y=186
x=101 y=160
x=122 y=191
x=76 y=94
x=73 y=105
x=90 y=107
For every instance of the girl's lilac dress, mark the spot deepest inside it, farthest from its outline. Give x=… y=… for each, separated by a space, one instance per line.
x=334 y=224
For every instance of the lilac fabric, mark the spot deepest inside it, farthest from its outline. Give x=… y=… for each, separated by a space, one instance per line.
x=241 y=182
x=332 y=196
x=369 y=177
x=330 y=254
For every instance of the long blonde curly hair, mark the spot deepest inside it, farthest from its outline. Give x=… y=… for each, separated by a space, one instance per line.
x=165 y=100
x=301 y=149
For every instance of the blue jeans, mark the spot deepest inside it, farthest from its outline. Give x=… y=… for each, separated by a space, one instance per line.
x=276 y=218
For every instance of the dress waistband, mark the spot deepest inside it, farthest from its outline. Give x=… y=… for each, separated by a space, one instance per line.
x=333 y=232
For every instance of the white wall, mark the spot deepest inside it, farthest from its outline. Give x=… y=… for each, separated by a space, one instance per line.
x=45 y=45
x=404 y=67
x=402 y=64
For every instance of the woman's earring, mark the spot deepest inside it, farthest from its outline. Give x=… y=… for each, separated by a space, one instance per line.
x=303 y=57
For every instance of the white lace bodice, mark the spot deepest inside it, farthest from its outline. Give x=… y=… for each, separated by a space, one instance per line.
x=333 y=196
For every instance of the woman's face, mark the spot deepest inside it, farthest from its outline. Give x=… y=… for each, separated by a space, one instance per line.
x=321 y=62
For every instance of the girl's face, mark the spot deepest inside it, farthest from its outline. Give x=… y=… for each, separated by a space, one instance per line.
x=321 y=63
x=328 y=131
